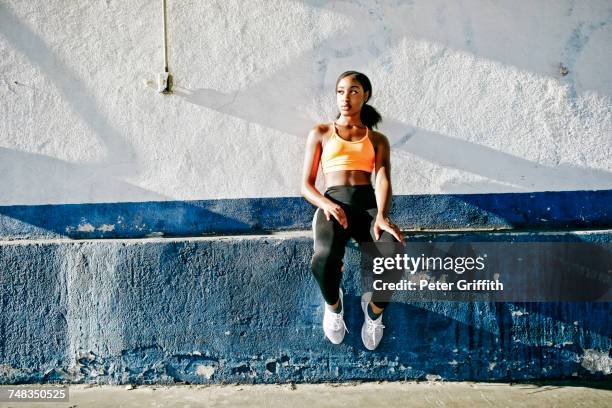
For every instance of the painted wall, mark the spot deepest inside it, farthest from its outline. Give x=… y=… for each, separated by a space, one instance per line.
x=500 y=118
x=471 y=92
x=246 y=309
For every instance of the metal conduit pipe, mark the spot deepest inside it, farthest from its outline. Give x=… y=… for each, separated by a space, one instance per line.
x=164 y=79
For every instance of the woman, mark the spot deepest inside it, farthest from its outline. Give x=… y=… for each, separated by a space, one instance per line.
x=349 y=151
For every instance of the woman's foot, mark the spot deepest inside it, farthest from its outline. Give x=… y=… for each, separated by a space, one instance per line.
x=372 y=329
x=333 y=323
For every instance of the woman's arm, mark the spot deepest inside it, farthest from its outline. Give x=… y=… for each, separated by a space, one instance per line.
x=308 y=190
x=382 y=189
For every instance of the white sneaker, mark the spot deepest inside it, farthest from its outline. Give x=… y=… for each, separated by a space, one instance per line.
x=372 y=330
x=333 y=323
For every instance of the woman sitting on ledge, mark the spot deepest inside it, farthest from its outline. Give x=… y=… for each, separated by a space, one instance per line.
x=349 y=150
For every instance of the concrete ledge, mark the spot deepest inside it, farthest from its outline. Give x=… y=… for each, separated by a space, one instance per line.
x=246 y=309
x=548 y=210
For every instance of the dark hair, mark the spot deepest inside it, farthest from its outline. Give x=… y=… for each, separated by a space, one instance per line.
x=369 y=116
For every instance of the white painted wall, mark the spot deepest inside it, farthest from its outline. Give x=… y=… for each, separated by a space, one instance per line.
x=471 y=93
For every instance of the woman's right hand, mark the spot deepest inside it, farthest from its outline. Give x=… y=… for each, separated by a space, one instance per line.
x=333 y=209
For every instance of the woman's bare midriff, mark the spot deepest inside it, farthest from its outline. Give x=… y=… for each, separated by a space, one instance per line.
x=347 y=178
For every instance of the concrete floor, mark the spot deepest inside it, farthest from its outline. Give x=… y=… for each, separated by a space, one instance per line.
x=383 y=394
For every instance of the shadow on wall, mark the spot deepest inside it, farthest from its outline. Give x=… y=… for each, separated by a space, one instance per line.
x=531 y=35
x=274 y=102
x=511 y=172
x=278 y=103
x=25 y=175
x=505 y=171
x=154 y=218
x=543 y=211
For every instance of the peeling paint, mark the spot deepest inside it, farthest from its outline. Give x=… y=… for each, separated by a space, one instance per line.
x=596 y=361
x=87 y=227
x=106 y=227
x=519 y=313
x=205 y=371
x=7 y=370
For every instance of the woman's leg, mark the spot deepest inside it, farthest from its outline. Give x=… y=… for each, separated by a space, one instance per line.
x=329 y=244
x=380 y=299
x=373 y=302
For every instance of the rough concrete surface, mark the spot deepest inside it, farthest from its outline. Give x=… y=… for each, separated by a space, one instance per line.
x=247 y=309
x=372 y=395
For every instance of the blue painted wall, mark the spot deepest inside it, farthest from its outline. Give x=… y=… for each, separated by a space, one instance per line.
x=247 y=309
x=551 y=210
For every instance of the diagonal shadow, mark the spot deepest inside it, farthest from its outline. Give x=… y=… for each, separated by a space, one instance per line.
x=120 y=154
x=466 y=26
x=26 y=175
x=519 y=173
x=276 y=102
x=407 y=140
x=84 y=182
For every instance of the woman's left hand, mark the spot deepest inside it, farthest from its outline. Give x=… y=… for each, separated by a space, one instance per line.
x=384 y=224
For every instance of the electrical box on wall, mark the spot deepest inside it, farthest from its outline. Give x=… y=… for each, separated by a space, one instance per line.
x=164 y=82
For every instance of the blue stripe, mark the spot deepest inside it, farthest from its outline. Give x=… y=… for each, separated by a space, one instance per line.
x=516 y=211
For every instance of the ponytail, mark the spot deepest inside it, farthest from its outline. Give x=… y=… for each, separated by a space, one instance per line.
x=370 y=116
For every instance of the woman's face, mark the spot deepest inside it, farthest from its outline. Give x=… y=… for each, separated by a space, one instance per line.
x=350 y=96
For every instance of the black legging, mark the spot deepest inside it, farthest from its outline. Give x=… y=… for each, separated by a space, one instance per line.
x=330 y=239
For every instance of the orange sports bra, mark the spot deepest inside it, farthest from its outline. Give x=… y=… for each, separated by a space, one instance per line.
x=339 y=154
